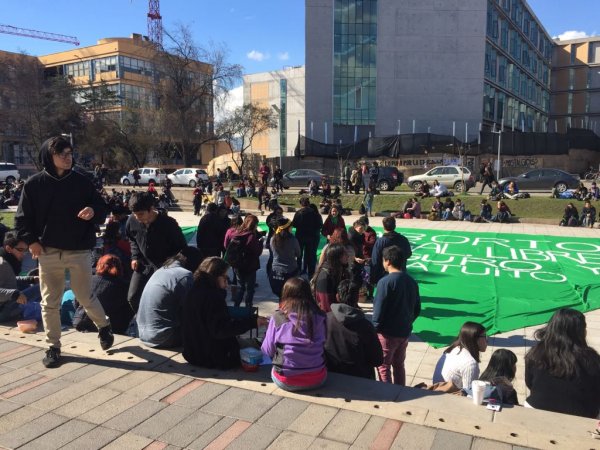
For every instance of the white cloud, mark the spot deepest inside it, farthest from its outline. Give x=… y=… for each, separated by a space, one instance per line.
x=573 y=34
x=256 y=55
x=283 y=56
x=226 y=104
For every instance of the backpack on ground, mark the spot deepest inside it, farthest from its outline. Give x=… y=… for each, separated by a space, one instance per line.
x=235 y=254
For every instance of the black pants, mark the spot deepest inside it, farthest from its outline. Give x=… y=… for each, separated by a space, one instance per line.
x=485 y=182
x=277 y=280
x=246 y=280
x=136 y=287
x=308 y=250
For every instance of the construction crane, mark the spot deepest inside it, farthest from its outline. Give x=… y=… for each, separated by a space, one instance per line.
x=8 y=29
x=155 y=30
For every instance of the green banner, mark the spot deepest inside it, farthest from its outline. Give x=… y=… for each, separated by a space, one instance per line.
x=504 y=281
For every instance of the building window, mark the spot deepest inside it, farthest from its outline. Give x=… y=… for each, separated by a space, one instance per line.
x=78 y=69
x=571 y=79
x=103 y=65
x=570 y=103
x=573 y=53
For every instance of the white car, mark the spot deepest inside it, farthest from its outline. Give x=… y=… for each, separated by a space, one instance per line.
x=9 y=173
x=147 y=175
x=453 y=177
x=188 y=176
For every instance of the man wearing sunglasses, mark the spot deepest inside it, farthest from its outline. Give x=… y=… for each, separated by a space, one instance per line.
x=56 y=218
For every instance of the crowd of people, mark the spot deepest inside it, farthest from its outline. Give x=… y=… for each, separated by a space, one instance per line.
x=150 y=283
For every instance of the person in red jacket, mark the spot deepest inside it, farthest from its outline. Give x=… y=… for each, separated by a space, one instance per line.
x=334 y=220
x=246 y=268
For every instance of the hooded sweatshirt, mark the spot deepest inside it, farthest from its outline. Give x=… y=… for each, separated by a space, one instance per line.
x=352 y=346
x=49 y=205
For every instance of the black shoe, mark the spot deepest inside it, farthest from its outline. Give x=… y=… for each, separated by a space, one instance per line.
x=52 y=358
x=106 y=337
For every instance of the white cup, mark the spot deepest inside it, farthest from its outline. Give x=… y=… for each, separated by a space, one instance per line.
x=478 y=389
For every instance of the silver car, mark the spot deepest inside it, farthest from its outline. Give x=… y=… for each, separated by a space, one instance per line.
x=453 y=177
x=9 y=173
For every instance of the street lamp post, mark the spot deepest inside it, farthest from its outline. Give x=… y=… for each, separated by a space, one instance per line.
x=278 y=111
x=499 y=164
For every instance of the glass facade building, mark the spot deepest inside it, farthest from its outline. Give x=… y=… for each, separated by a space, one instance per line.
x=518 y=58
x=355 y=62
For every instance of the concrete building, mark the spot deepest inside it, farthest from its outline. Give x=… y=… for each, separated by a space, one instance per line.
x=283 y=91
x=576 y=85
x=390 y=66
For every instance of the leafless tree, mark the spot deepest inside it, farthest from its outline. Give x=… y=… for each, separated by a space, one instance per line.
x=191 y=79
x=242 y=126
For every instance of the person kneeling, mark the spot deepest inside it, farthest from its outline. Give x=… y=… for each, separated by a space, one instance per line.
x=295 y=339
x=352 y=345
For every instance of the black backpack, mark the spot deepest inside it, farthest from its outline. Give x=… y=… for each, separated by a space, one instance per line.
x=235 y=254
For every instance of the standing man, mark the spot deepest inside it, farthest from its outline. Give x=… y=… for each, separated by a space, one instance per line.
x=57 y=217
x=154 y=238
x=374 y=174
x=396 y=306
x=390 y=237
x=347 y=174
x=264 y=172
x=278 y=176
x=308 y=223
x=487 y=177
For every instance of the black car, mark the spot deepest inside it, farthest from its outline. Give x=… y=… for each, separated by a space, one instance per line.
x=543 y=179
x=389 y=178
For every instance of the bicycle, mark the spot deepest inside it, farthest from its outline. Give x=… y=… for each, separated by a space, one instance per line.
x=592 y=175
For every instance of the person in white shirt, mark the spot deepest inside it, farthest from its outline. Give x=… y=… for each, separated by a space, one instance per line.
x=460 y=361
x=439 y=189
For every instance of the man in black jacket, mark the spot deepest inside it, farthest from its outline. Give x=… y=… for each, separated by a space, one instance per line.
x=308 y=223
x=390 y=237
x=57 y=217
x=154 y=238
x=211 y=232
x=352 y=346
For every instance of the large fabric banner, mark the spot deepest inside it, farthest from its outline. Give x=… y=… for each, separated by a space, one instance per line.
x=504 y=281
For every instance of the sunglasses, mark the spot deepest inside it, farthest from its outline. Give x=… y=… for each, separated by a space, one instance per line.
x=20 y=249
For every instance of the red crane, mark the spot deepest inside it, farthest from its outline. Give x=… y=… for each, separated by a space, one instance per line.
x=9 y=29
x=155 y=30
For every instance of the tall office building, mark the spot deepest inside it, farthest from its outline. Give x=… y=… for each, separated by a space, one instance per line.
x=389 y=66
x=576 y=85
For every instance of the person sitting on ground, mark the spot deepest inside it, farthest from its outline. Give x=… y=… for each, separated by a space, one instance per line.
x=209 y=331
x=251 y=188
x=313 y=188
x=325 y=188
x=594 y=192
x=439 y=190
x=562 y=371
x=396 y=306
x=500 y=373
x=435 y=213
x=415 y=209
x=588 y=215
x=110 y=289
x=159 y=314
x=570 y=217
x=352 y=346
x=295 y=339
x=12 y=298
x=334 y=220
x=329 y=275
x=486 y=210
x=424 y=189
x=286 y=254
x=581 y=192
x=458 y=212
x=511 y=191
x=325 y=206
x=401 y=214
x=447 y=208
x=460 y=361
x=240 y=191
x=114 y=243
x=503 y=214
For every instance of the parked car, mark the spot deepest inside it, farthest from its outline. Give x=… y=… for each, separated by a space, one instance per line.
x=9 y=173
x=147 y=175
x=188 y=176
x=454 y=177
x=543 y=179
x=301 y=178
x=389 y=178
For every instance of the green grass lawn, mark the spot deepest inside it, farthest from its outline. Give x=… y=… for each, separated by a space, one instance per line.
x=8 y=219
x=535 y=207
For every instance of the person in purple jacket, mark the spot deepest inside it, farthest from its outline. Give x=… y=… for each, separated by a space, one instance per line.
x=295 y=339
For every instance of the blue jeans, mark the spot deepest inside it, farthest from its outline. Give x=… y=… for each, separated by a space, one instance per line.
x=246 y=280
x=290 y=388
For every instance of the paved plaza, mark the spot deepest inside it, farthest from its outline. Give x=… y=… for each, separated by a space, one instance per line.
x=132 y=397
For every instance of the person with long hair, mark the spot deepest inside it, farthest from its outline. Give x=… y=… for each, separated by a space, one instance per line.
x=500 y=372
x=333 y=221
x=286 y=253
x=562 y=371
x=209 y=332
x=329 y=274
x=339 y=236
x=460 y=361
x=250 y=249
x=295 y=339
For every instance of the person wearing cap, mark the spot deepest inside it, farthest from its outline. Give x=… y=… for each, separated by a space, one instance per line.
x=286 y=253
x=57 y=217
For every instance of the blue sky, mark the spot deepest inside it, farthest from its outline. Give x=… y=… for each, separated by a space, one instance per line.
x=260 y=34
